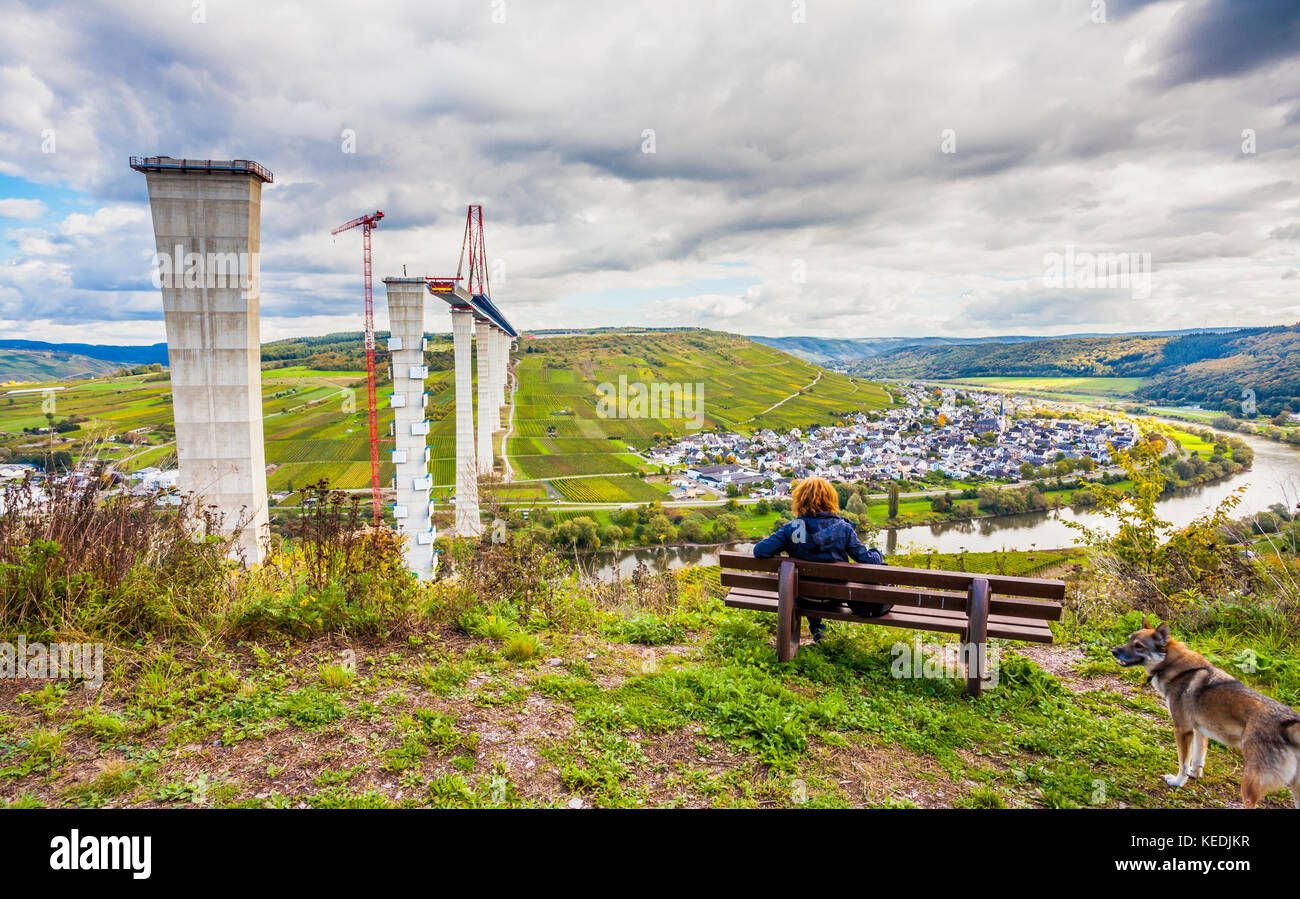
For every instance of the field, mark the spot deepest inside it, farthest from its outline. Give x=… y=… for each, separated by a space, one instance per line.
x=314 y=423
x=618 y=489
x=315 y=416
x=1076 y=389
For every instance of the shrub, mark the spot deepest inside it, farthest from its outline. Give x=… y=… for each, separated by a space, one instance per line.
x=338 y=576
x=522 y=648
x=647 y=629
x=75 y=560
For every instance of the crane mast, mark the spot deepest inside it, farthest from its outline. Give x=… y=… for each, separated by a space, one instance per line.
x=367 y=223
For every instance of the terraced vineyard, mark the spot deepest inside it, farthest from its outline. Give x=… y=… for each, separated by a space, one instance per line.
x=315 y=417
x=314 y=421
x=560 y=431
x=617 y=489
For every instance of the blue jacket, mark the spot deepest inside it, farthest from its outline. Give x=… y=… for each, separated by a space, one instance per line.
x=819 y=538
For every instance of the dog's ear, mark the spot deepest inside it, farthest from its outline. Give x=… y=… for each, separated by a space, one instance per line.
x=1145 y=626
x=1162 y=635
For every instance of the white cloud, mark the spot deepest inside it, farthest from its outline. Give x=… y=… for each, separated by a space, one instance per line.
x=21 y=209
x=775 y=142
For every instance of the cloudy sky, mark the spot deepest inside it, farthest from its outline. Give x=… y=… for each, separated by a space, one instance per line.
x=817 y=167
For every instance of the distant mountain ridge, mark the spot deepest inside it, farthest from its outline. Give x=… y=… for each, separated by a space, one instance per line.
x=48 y=365
x=1216 y=368
x=848 y=350
x=134 y=355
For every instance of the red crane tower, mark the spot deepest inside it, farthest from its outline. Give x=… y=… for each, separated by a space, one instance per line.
x=367 y=223
x=477 y=279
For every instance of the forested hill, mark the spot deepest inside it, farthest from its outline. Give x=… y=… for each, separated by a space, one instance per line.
x=1126 y=356
x=1210 y=368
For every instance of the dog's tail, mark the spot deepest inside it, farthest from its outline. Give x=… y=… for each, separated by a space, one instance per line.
x=1291 y=730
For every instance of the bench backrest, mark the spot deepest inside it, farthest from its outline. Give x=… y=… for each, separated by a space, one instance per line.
x=923 y=587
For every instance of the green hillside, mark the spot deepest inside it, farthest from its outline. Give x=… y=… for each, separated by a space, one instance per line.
x=559 y=430
x=46 y=365
x=315 y=410
x=1126 y=356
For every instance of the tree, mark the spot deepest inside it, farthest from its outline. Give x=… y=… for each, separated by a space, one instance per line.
x=692 y=528
x=579 y=533
x=893 y=499
x=727 y=526
x=660 y=530
x=843 y=491
x=856 y=505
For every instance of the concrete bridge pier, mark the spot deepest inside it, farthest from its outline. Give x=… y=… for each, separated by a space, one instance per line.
x=410 y=455
x=207 y=230
x=493 y=348
x=487 y=369
x=504 y=349
x=467 y=517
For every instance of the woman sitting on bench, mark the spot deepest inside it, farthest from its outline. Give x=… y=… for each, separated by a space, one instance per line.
x=819 y=534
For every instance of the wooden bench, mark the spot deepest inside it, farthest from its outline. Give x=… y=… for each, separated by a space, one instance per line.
x=976 y=606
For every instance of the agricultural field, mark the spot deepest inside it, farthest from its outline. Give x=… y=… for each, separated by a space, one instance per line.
x=315 y=416
x=314 y=423
x=1069 y=389
x=617 y=489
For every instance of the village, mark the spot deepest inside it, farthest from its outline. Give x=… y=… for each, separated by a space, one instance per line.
x=939 y=434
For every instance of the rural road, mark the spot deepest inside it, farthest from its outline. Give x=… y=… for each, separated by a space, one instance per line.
x=813 y=383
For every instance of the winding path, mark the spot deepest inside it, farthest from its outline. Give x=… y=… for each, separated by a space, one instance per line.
x=786 y=400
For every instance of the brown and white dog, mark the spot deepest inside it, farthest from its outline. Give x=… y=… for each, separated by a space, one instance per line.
x=1208 y=703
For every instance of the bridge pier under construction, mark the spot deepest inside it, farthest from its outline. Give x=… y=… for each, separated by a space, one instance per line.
x=207 y=230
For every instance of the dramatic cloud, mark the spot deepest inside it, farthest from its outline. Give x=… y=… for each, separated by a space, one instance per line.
x=883 y=169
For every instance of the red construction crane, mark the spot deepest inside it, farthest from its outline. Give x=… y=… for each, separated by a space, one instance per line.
x=367 y=223
x=477 y=279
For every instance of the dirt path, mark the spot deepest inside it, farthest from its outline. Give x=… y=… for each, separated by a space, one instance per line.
x=787 y=399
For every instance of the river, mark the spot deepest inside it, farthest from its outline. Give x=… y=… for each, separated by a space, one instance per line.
x=1274 y=477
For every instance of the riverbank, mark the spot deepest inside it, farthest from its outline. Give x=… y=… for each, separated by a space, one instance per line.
x=579 y=529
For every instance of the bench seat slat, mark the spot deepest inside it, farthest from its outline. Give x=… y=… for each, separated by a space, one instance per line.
x=941 y=620
x=999 y=584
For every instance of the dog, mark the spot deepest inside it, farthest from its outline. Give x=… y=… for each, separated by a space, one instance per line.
x=1207 y=703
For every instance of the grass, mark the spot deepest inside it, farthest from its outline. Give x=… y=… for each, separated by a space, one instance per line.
x=651 y=702
x=1065 y=388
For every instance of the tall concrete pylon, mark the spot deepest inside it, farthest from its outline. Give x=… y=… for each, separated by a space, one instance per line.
x=487 y=366
x=504 y=348
x=493 y=348
x=208 y=230
x=411 y=481
x=467 y=520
